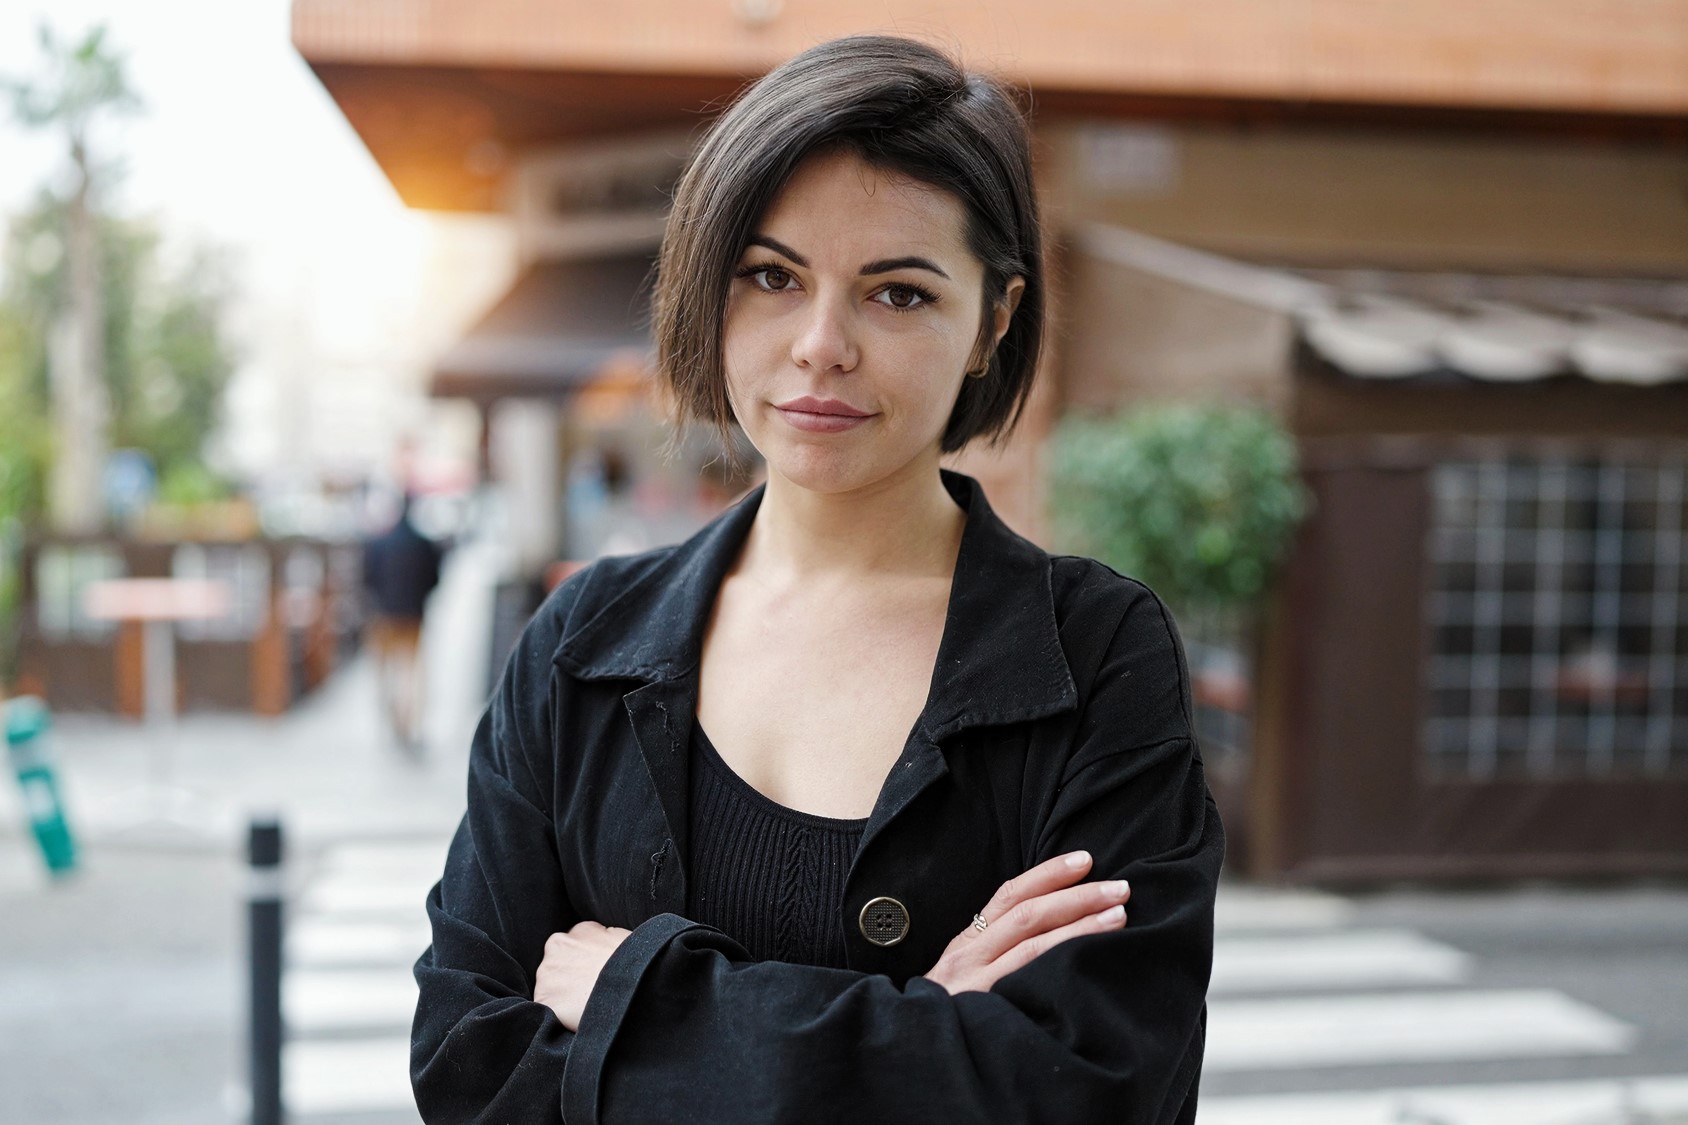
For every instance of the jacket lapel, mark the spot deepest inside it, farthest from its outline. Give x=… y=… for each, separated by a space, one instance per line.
x=661 y=713
x=651 y=631
x=1000 y=659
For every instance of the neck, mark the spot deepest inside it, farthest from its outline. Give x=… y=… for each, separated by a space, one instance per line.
x=909 y=526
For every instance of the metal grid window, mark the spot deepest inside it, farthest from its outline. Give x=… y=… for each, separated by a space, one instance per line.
x=1559 y=618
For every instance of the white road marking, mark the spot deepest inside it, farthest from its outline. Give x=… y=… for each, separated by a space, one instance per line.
x=1241 y=908
x=424 y=858
x=345 y=894
x=360 y=926
x=1347 y=959
x=318 y=1000
x=347 y=1076
x=1282 y=1034
x=1515 y=1103
x=325 y=943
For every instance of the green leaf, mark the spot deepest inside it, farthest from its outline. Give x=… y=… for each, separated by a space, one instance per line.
x=1197 y=500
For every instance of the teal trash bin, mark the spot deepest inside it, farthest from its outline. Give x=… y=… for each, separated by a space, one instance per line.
x=27 y=720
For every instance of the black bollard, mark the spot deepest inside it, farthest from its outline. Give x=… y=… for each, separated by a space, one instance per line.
x=264 y=926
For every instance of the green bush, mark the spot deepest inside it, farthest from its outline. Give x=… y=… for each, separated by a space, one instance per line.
x=186 y=483
x=1199 y=502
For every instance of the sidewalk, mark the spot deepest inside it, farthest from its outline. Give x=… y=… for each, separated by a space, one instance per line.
x=122 y=988
x=325 y=766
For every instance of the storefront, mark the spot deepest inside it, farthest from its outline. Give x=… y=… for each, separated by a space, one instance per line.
x=1477 y=663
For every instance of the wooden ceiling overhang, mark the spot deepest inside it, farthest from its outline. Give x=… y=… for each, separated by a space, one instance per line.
x=445 y=92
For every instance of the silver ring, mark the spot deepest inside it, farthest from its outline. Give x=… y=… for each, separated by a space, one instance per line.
x=979 y=922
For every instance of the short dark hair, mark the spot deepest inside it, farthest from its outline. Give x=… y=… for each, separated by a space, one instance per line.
x=903 y=107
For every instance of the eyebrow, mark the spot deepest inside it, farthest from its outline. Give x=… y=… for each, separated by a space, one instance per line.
x=883 y=265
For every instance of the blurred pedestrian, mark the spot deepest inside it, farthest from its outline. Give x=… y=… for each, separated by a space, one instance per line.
x=401 y=567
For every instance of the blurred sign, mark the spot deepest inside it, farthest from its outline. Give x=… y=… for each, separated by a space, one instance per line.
x=130 y=483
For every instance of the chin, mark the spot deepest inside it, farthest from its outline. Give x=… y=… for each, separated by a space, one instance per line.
x=826 y=468
x=825 y=474
x=836 y=472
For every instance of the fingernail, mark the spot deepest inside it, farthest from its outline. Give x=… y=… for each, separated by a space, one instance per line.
x=1077 y=860
x=1119 y=888
x=1111 y=915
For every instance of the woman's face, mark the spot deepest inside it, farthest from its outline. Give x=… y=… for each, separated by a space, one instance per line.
x=851 y=321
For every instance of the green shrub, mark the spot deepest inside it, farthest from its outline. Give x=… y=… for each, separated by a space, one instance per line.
x=1199 y=502
x=186 y=483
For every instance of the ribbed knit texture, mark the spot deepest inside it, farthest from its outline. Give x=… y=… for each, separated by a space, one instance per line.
x=770 y=877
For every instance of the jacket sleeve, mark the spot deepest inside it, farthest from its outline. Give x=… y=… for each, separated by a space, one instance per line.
x=481 y=1049
x=1106 y=1027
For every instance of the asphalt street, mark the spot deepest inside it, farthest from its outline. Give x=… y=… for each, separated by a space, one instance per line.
x=1622 y=950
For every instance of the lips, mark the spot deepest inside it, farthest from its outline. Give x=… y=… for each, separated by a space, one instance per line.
x=808 y=404
x=821 y=415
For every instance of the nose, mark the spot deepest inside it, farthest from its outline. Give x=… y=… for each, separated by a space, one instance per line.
x=825 y=339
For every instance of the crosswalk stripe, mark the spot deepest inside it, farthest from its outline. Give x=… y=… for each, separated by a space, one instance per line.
x=348 y=995
x=347 y=1076
x=1344 y=959
x=1241 y=908
x=1281 y=1034
x=327 y=942
x=344 y=894
x=1516 y=1103
x=388 y=855
x=414 y=867
x=321 y=1000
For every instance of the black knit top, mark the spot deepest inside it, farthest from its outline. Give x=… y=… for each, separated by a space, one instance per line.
x=768 y=876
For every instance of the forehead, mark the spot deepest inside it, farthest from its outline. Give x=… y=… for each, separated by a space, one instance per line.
x=836 y=204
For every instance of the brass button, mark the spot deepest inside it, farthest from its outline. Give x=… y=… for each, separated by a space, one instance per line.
x=884 y=921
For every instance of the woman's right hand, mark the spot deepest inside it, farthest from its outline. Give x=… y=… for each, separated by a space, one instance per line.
x=1031 y=914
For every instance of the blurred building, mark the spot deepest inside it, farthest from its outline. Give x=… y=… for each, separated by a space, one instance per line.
x=1445 y=242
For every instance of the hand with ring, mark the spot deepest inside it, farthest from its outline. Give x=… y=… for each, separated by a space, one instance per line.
x=1029 y=915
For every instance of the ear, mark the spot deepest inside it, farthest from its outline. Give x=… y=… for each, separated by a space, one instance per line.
x=1001 y=316
x=1011 y=294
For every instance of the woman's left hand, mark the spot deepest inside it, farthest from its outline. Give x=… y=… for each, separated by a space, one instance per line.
x=571 y=966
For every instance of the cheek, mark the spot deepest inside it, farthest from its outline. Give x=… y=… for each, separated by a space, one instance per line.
x=735 y=351
x=747 y=338
x=943 y=405
x=736 y=367
x=934 y=361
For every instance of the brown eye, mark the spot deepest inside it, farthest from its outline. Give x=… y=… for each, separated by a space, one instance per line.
x=904 y=298
x=774 y=278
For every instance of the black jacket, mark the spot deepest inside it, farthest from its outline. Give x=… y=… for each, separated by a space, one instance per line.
x=1058 y=718
x=401 y=567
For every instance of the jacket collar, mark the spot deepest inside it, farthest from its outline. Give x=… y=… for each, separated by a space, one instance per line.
x=1000 y=659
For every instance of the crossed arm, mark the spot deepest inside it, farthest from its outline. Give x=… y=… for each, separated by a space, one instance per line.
x=1033 y=1019
x=1029 y=915
x=1055 y=1012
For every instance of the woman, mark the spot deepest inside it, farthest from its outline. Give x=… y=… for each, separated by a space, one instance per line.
x=832 y=811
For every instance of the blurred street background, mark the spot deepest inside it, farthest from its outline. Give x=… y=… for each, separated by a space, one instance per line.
x=323 y=358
